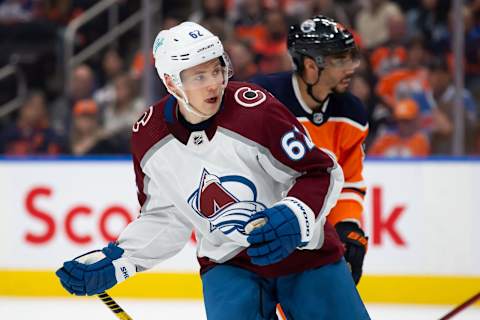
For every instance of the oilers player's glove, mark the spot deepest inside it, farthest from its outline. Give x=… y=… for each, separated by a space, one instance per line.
x=277 y=238
x=356 y=245
x=96 y=271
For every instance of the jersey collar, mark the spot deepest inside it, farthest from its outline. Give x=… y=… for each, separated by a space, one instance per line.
x=180 y=131
x=298 y=94
x=318 y=117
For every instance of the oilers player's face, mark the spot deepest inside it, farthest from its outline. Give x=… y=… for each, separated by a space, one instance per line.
x=340 y=69
x=203 y=85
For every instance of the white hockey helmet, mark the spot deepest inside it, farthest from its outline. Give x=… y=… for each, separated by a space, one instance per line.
x=184 y=46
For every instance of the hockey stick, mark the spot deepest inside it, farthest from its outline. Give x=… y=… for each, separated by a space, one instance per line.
x=112 y=305
x=461 y=307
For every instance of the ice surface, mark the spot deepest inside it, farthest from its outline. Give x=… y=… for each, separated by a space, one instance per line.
x=92 y=308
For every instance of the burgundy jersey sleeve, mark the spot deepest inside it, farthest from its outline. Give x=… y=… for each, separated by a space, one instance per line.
x=290 y=144
x=149 y=130
x=318 y=180
x=289 y=156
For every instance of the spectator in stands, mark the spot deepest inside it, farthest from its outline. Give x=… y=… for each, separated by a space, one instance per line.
x=80 y=87
x=58 y=11
x=271 y=50
x=410 y=81
x=407 y=140
x=396 y=47
x=406 y=5
x=120 y=115
x=212 y=14
x=332 y=9
x=24 y=22
x=112 y=66
x=476 y=140
x=472 y=46
x=29 y=38
x=379 y=116
x=248 y=20
x=242 y=59
x=218 y=26
x=87 y=137
x=300 y=10
x=209 y=9
x=429 y=20
x=297 y=10
x=372 y=21
x=18 y=11
x=444 y=93
x=392 y=54
x=364 y=66
x=31 y=134
x=85 y=128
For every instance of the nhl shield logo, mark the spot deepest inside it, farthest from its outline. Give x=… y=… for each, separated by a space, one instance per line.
x=317 y=117
x=198 y=140
x=227 y=203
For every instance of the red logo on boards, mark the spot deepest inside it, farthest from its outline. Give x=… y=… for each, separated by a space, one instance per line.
x=50 y=225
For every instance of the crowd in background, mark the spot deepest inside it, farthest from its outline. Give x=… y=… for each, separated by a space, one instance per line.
x=405 y=79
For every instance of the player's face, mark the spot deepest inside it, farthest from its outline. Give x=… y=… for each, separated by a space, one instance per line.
x=203 y=85
x=339 y=70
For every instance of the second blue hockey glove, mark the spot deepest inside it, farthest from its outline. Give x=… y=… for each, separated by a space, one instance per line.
x=356 y=245
x=275 y=240
x=96 y=271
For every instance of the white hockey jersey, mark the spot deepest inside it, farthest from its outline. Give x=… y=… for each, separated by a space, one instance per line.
x=252 y=155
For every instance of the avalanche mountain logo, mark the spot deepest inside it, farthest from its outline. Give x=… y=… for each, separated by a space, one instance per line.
x=227 y=203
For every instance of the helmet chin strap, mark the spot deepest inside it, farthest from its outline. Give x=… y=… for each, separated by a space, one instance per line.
x=310 y=87
x=190 y=108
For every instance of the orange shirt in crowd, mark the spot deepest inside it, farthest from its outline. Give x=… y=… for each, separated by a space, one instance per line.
x=273 y=55
x=384 y=59
x=251 y=33
x=402 y=83
x=392 y=145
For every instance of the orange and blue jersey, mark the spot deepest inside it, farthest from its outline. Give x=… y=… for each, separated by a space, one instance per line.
x=392 y=145
x=339 y=126
x=407 y=83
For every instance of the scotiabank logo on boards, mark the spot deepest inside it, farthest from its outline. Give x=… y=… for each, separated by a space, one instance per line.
x=66 y=223
x=383 y=222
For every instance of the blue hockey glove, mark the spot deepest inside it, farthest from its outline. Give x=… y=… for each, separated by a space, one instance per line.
x=275 y=240
x=356 y=245
x=96 y=271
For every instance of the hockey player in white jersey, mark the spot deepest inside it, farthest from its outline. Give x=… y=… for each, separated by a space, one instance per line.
x=230 y=162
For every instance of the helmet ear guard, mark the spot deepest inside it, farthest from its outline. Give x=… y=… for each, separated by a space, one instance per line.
x=298 y=61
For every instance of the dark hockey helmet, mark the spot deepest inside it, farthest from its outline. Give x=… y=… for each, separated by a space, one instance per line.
x=317 y=38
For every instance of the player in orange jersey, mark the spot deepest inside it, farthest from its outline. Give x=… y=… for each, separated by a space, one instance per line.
x=325 y=56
